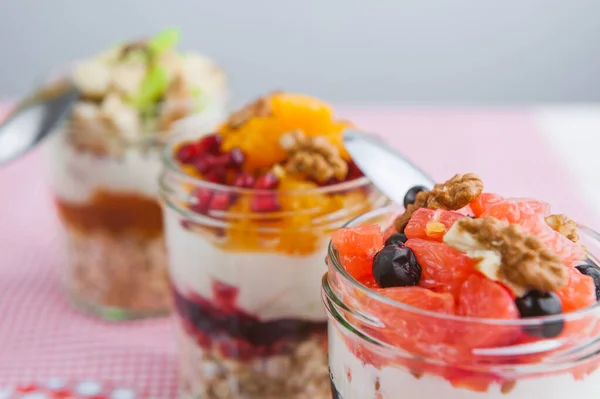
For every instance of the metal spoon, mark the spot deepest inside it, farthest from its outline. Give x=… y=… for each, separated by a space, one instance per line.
x=35 y=118
x=389 y=171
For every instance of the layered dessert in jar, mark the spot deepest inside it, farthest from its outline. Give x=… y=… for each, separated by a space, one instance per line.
x=464 y=294
x=248 y=213
x=104 y=165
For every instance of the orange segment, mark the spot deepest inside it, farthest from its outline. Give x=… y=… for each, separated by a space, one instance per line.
x=259 y=137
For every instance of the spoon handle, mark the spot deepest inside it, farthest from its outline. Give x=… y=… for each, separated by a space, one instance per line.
x=389 y=171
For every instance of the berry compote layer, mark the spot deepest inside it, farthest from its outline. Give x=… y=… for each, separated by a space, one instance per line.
x=105 y=162
x=467 y=294
x=249 y=211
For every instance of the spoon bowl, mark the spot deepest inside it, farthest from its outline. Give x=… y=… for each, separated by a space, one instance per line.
x=35 y=118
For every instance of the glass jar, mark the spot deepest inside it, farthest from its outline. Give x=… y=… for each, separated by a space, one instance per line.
x=105 y=189
x=380 y=348
x=246 y=283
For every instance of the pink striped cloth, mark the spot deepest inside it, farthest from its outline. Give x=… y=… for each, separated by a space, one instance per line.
x=41 y=337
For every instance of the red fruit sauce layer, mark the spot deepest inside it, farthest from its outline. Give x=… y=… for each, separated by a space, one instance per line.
x=250 y=152
x=114 y=214
x=450 y=284
x=219 y=323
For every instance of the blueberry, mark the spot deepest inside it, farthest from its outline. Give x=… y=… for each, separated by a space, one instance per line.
x=396 y=239
x=590 y=268
x=411 y=195
x=396 y=266
x=537 y=303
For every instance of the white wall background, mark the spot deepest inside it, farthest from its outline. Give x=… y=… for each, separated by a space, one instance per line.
x=409 y=51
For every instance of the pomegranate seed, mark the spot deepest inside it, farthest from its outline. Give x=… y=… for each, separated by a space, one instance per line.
x=217 y=175
x=328 y=182
x=210 y=144
x=265 y=203
x=267 y=181
x=187 y=153
x=223 y=160
x=63 y=394
x=203 y=340
x=26 y=388
x=201 y=199
x=354 y=171
x=225 y=295
x=244 y=180
x=203 y=164
x=220 y=201
x=236 y=157
x=236 y=349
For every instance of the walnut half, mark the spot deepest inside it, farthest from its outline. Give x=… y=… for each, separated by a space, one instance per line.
x=259 y=108
x=315 y=157
x=454 y=194
x=506 y=254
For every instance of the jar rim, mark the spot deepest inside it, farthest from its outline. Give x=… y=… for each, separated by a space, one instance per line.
x=171 y=166
x=522 y=322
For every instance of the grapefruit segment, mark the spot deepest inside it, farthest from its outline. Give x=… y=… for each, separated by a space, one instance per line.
x=484 y=201
x=407 y=328
x=356 y=247
x=515 y=210
x=431 y=224
x=566 y=249
x=481 y=297
x=580 y=291
x=359 y=266
x=420 y=298
x=444 y=268
x=358 y=241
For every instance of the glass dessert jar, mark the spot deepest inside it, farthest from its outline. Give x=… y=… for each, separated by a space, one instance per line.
x=104 y=165
x=245 y=264
x=382 y=348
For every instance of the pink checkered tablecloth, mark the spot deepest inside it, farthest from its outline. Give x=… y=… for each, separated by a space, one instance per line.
x=41 y=337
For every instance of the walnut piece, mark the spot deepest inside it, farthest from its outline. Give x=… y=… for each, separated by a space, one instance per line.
x=259 y=108
x=315 y=157
x=454 y=194
x=523 y=263
x=563 y=225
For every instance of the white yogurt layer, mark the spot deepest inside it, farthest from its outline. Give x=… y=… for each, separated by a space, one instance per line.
x=395 y=382
x=271 y=285
x=75 y=175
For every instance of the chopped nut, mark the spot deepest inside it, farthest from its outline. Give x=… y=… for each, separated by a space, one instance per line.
x=92 y=78
x=302 y=373
x=565 y=226
x=417 y=374
x=177 y=103
x=123 y=117
x=506 y=254
x=127 y=78
x=315 y=157
x=259 y=108
x=133 y=46
x=507 y=387
x=454 y=194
